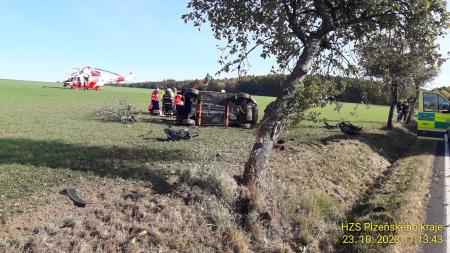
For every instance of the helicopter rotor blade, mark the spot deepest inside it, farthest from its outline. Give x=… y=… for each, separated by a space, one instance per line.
x=107 y=71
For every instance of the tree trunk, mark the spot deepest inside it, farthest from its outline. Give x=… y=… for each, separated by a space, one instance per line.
x=394 y=100
x=258 y=162
x=412 y=106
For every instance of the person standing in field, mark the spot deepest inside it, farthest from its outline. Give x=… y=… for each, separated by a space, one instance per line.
x=402 y=110
x=179 y=102
x=155 y=102
x=161 y=98
x=168 y=102
x=86 y=73
x=405 y=110
x=78 y=77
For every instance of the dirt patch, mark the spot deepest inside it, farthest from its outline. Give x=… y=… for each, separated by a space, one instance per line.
x=125 y=216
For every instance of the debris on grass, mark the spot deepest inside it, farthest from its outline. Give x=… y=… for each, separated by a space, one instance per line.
x=184 y=133
x=72 y=193
x=125 y=113
x=348 y=128
x=328 y=126
x=345 y=126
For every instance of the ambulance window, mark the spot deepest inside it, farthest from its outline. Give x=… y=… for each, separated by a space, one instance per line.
x=443 y=104
x=429 y=102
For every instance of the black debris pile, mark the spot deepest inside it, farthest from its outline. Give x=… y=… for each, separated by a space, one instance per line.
x=345 y=126
x=328 y=126
x=124 y=113
x=184 y=133
x=348 y=128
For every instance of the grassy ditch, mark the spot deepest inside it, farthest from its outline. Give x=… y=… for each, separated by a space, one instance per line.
x=398 y=197
x=315 y=187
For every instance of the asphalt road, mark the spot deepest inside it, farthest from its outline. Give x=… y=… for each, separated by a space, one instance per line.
x=437 y=204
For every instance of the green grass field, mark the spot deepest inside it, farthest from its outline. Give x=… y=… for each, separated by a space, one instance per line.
x=46 y=125
x=357 y=113
x=51 y=139
x=49 y=136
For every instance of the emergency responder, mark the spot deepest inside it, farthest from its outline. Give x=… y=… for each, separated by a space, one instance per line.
x=86 y=73
x=399 y=107
x=170 y=92
x=79 y=76
x=155 y=102
x=178 y=102
x=78 y=86
x=168 y=102
x=405 y=110
x=402 y=110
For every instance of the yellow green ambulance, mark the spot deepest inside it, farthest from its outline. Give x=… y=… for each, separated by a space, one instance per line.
x=433 y=118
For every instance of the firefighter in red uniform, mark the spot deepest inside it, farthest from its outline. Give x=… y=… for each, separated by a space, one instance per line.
x=179 y=102
x=154 y=106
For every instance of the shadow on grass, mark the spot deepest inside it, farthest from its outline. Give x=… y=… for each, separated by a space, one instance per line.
x=159 y=120
x=391 y=144
x=126 y=163
x=359 y=121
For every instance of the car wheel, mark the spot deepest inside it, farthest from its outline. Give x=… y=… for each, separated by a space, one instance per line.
x=189 y=122
x=255 y=114
x=249 y=113
x=243 y=95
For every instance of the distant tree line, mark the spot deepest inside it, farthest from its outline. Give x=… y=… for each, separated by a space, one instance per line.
x=348 y=89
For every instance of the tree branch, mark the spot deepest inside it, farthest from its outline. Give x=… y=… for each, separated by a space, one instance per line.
x=298 y=31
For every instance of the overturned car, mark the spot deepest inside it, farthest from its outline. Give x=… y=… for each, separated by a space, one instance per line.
x=217 y=109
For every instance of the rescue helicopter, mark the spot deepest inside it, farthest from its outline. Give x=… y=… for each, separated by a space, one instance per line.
x=94 y=78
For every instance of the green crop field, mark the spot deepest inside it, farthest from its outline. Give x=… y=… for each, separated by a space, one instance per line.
x=357 y=113
x=49 y=136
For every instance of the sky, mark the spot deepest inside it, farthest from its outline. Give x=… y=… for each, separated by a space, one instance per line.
x=43 y=40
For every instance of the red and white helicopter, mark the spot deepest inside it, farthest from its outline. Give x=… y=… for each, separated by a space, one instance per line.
x=94 y=78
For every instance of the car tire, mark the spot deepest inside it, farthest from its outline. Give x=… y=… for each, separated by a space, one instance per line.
x=243 y=96
x=255 y=114
x=249 y=113
x=191 y=91
x=232 y=98
x=189 y=122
